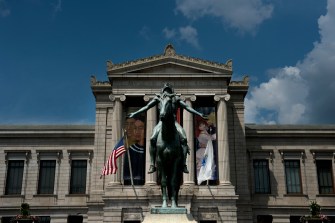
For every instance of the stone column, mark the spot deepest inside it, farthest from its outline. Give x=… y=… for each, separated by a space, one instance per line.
x=150 y=179
x=189 y=129
x=115 y=179
x=222 y=139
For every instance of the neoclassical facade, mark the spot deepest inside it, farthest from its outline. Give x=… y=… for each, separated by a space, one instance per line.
x=262 y=173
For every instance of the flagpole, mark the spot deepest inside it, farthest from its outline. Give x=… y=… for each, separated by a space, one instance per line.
x=129 y=160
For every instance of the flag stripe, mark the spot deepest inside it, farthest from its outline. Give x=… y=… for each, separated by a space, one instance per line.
x=111 y=164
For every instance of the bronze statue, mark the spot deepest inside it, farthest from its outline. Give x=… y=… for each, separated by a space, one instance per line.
x=168 y=142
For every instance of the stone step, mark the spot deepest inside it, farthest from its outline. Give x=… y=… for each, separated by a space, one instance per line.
x=168 y=218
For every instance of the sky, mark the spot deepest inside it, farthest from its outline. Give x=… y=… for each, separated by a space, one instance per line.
x=50 y=48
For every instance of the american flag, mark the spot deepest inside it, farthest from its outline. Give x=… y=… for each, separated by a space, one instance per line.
x=110 y=166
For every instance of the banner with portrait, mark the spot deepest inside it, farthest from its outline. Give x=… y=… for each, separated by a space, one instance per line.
x=205 y=138
x=135 y=144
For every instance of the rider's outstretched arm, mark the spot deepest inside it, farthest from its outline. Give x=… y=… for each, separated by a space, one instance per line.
x=190 y=109
x=151 y=104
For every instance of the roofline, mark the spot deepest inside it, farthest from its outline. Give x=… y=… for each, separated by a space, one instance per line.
x=15 y=131
x=169 y=56
x=254 y=130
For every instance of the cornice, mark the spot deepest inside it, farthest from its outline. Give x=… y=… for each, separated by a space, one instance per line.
x=46 y=131
x=169 y=55
x=95 y=83
x=100 y=87
x=244 y=82
x=290 y=131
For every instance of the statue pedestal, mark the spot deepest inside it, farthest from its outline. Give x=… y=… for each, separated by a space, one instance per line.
x=168 y=211
x=167 y=215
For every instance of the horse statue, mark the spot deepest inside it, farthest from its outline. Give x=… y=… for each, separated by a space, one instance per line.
x=169 y=154
x=168 y=143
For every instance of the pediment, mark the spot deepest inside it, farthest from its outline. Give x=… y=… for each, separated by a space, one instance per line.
x=169 y=62
x=169 y=67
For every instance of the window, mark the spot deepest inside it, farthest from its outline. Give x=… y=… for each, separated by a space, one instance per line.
x=6 y=219
x=47 y=177
x=293 y=177
x=264 y=218
x=262 y=177
x=75 y=219
x=14 y=177
x=325 y=176
x=78 y=177
x=44 y=219
x=295 y=219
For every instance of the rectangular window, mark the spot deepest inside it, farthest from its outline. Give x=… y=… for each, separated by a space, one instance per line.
x=295 y=219
x=44 y=219
x=325 y=176
x=75 y=219
x=78 y=177
x=293 y=177
x=14 y=177
x=47 y=177
x=6 y=219
x=264 y=218
x=262 y=177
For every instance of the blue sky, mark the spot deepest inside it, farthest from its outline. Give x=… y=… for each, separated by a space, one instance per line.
x=50 y=48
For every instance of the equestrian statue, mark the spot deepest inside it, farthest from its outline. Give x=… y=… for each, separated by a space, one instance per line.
x=168 y=143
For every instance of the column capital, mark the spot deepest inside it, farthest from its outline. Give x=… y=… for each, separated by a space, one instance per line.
x=148 y=97
x=219 y=97
x=120 y=97
x=190 y=97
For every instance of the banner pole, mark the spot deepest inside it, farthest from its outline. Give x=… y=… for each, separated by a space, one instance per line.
x=129 y=160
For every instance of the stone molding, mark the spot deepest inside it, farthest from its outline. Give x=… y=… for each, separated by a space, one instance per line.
x=169 y=52
x=18 y=154
x=57 y=154
x=95 y=82
x=244 y=82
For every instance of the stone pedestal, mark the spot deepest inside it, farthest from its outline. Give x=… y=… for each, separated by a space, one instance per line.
x=167 y=215
x=168 y=211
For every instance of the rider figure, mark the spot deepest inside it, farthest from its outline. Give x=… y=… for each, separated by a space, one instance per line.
x=167 y=90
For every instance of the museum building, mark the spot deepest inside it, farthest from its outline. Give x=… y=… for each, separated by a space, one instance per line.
x=261 y=173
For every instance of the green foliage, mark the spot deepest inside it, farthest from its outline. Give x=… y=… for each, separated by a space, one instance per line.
x=314 y=208
x=25 y=209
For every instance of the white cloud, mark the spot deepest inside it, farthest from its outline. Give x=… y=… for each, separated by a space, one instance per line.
x=283 y=95
x=188 y=34
x=57 y=7
x=145 y=32
x=4 y=10
x=169 y=33
x=304 y=93
x=243 y=15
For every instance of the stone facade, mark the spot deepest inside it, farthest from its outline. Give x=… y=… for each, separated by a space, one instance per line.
x=233 y=197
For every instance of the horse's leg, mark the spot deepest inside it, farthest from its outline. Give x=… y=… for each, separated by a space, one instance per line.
x=163 y=188
x=164 y=203
x=153 y=148
x=174 y=186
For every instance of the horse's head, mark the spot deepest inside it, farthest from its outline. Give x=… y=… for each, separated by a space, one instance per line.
x=165 y=108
